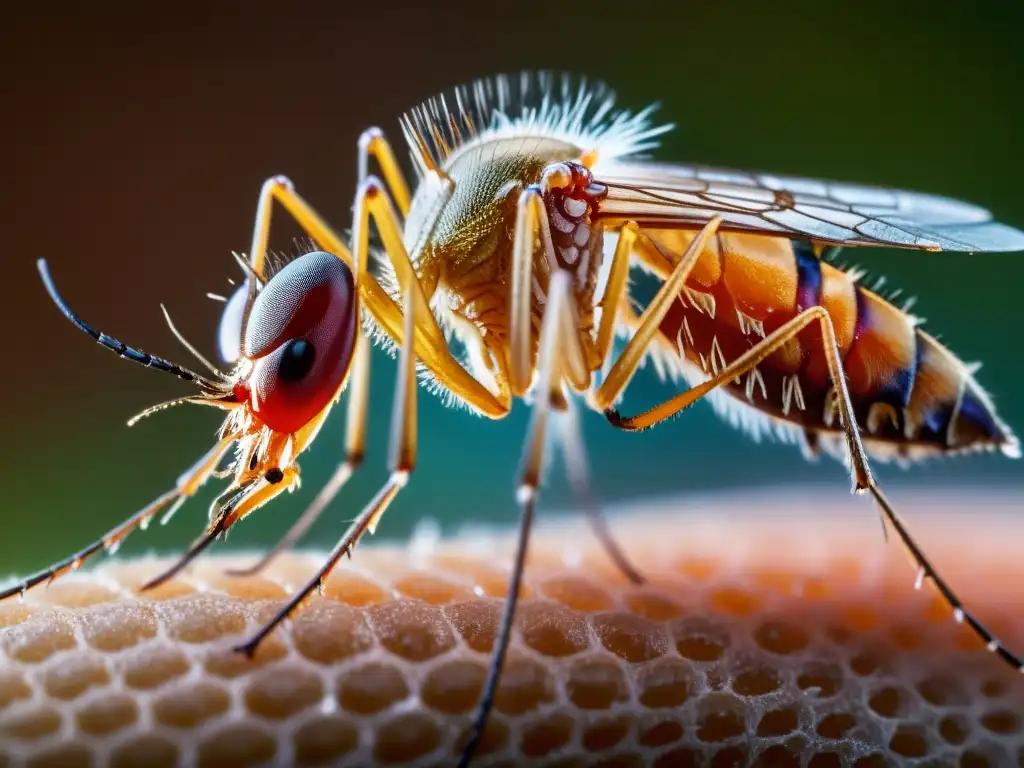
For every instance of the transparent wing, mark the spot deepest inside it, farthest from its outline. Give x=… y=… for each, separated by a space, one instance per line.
x=679 y=196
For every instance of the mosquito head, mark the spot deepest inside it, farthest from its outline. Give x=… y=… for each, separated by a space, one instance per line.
x=299 y=337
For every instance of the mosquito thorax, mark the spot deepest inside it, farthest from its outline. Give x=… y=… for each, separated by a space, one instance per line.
x=460 y=228
x=477 y=218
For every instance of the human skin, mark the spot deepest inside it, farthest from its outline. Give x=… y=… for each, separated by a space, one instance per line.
x=775 y=629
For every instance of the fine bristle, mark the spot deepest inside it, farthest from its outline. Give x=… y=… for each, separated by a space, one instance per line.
x=556 y=106
x=771 y=633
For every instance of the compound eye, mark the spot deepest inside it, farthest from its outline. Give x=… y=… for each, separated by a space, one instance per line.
x=229 y=334
x=301 y=333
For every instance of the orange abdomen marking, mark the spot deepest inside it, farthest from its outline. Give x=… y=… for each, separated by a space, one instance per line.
x=674 y=242
x=936 y=391
x=759 y=274
x=882 y=360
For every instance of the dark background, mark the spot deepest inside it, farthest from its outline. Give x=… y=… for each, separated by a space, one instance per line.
x=134 y=145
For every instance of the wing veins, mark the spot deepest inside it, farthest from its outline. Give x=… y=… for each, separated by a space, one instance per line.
x=825 y=211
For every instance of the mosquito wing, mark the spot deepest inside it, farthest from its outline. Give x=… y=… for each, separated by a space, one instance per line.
x=666 y=196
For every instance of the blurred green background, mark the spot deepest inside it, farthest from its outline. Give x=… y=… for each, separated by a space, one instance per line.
x=134 y=145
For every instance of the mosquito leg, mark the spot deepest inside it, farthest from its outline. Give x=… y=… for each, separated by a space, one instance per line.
x=232 y=505
x=615 y=289
x=355 y=450
x=575 y=457
x=628 y=362
x=108 y=542
x=531 y=218
x=864 y=481
x=927 y=571
x=187 y=485
x=551 y=359
x=364 y=522
x=530 y=215
x=372 y=143
x=863 y=478
x=741 y=365
x=281 y=189
x=402 y=461
x=195 y=549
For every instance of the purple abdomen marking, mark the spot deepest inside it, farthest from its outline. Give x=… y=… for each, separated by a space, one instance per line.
x=808 y=276
x=975 y=414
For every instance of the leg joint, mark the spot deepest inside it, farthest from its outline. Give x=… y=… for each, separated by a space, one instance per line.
x=278 y=183
x=370 y=188
x=370 y=138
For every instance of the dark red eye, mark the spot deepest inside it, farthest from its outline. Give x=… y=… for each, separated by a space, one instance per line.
x=301 y=333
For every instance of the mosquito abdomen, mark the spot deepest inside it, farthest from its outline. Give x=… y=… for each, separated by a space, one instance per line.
x=912 y=396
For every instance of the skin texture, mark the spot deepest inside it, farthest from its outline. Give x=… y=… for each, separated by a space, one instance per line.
x=777 y=630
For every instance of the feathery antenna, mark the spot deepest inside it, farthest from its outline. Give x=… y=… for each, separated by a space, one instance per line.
x=121 y=349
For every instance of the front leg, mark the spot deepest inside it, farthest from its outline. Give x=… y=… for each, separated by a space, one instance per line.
x=402 y=461
x=549 y=384
x=280 y=188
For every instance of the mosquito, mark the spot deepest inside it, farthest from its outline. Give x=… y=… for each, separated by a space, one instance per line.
x=534 y=199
